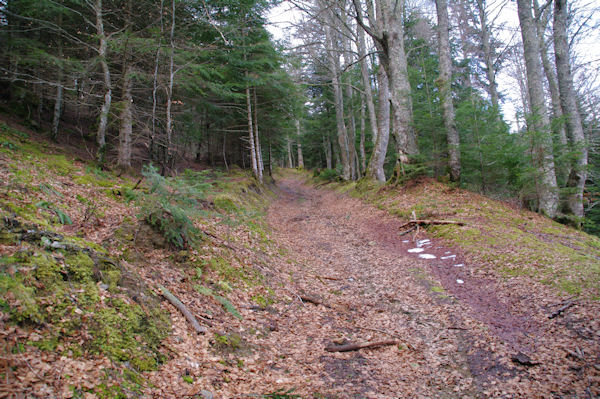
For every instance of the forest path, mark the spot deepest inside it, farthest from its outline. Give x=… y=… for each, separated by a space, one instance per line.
x=350 y=255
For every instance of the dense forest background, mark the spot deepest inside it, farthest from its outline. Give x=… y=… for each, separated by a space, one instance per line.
x=370 y=89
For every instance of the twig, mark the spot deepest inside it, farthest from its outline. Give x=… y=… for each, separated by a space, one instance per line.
x=409 y=346
x=183 y=309
x=328 y=278
x=427 y=221
x=408 y=231
x=355 y=347
x=561 y=309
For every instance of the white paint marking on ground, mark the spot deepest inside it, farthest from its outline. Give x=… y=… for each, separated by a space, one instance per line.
x=459 y=265
x=427 y=256
x=448 y=257
x=459 y=281
x=415 y=250
x=405 y=241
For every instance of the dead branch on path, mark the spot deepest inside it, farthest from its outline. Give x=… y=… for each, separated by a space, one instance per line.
x=183 y=309
x=355 y=347
x=413 y=228
x=422 y=222
x=558 y=311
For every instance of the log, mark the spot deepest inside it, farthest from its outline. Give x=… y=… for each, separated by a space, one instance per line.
x=183 y=309
x=418 y=222
x=413 y=228
x=355 y=347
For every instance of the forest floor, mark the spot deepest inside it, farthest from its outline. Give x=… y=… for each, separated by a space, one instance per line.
x=505 y=306
x=458 y=335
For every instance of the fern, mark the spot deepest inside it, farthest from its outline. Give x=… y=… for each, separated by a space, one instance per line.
x=227 y=305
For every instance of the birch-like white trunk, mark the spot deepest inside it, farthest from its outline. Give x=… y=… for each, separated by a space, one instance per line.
x=539 y=125
x=568 y=103
x=253 y=159
x=488 y=54
x=366 y=80
x=257 y=149
x=168 y=145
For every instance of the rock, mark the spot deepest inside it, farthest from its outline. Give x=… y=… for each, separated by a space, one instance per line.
x=204 y=394
x=523 y=359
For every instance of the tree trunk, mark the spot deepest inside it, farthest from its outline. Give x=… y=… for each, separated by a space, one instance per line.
x=366 y=79
x=363 y=158
x=375 y=168
x=539 y=122
x=446 y=91
x=105 y=110
x=167 y=149
x=125 y=132
x=155 y=86
x=488 y=55
x=58 y=100
x=328 y=154
x=253 y=159
x=558 y=126
x=290 y=163
x=257 y=149
x=338 y=103
x=568 y=103
x=300 y=156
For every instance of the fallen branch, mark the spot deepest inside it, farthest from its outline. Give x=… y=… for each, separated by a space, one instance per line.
x=183 y=309
x=313 y=300
x=328 y=278
x=355 y=347
x=561 y=309
x=413 y=228
x=419 y=222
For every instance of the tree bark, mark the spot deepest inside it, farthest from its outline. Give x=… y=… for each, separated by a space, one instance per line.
x=488 y=55
x=58 y=100
x=342 y=134
x=125 y=132
x=558 y=126
x=259 y=161
x=155 y=86
x=300 y=156
x=253 y=159
x=290 y=163
x=167 y=149
x=539 y=122
x=568 y=102
x=366 y=79
x=105 y=110
x=375 y=168
x=446 y=91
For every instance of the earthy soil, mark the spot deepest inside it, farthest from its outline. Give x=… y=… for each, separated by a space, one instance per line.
x=455 y=339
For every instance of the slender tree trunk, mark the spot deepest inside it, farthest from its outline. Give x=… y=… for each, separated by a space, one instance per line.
x=366 y=79
x=375 y=168
x=300 y=156
x=155 y=85
x=488 y=55
x=58 y=100
x=290 y=163
x=105 y=110
x=125 y=132
x=253 y=159
x=446 y=91
x=328 y=155
x=259 y=161
x=363 y=157
x=547 y=190
x=568 y=102
x=338 y=103
x=168 y=149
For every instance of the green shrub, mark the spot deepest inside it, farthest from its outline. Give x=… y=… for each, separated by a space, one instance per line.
x=328 y=175
x=170 y=204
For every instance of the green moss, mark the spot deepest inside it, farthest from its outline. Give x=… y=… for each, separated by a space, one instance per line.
x=436 y=288
x=23 y=306
x=89 y=179
x=125 y=333
x=47 y=270
x=80 y=267
x=226 y=203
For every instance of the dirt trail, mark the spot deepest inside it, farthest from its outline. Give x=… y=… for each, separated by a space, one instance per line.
x=352 y=258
